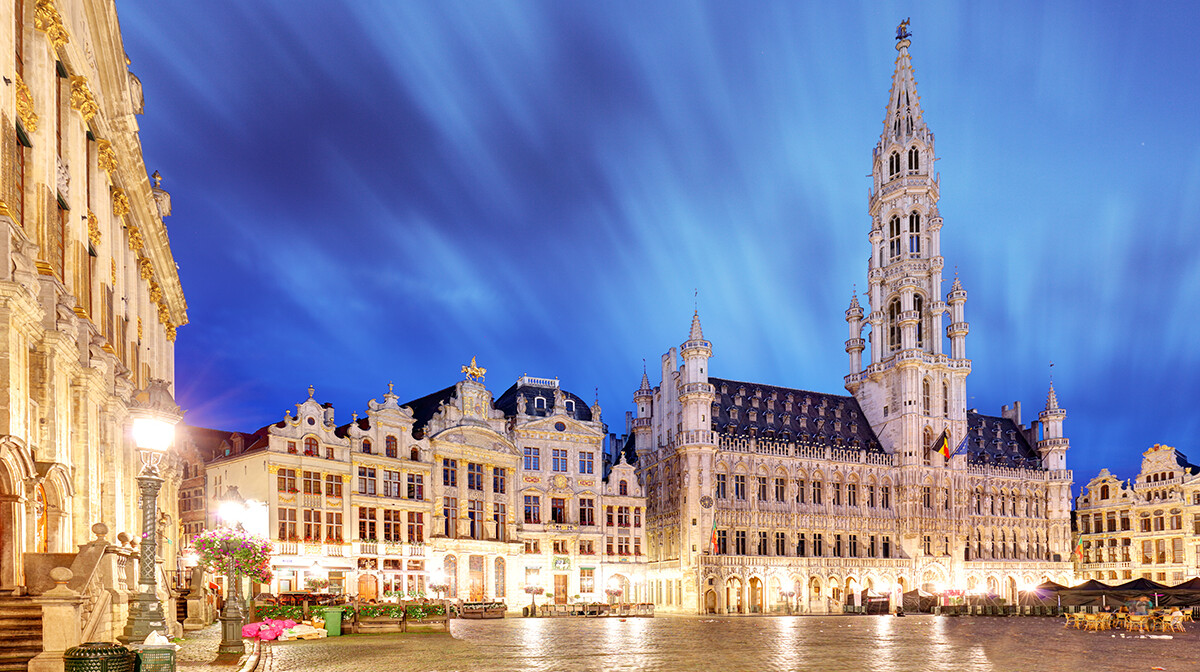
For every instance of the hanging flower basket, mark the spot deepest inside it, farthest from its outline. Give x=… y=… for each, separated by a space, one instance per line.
x=251 y=554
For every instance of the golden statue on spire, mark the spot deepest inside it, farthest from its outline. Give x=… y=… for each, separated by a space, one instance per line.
x=902 y=30
x=473 y=372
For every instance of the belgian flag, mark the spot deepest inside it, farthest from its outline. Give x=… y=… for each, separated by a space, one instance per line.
x=942 y=445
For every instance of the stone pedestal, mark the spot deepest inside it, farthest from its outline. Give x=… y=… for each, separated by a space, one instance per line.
x=61 y=622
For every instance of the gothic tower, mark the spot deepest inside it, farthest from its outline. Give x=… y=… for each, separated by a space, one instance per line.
x=910 y=390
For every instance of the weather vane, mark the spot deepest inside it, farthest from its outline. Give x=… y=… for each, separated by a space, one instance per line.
x=474 y=372
x=902 y=31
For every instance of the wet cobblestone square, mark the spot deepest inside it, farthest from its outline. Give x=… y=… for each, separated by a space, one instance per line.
x=731 y=644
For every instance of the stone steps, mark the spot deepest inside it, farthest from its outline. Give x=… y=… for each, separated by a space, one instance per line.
x=20 y=632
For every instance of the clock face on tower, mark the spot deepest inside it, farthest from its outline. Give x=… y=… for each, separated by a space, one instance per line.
x=706 y=502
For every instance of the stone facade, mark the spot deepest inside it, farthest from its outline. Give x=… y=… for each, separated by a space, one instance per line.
x=89 y=295
x=455 y=489
x=764 y=498
x=1147 y=527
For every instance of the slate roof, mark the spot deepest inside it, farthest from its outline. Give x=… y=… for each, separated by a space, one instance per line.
x=425 y=407
x=993 y=440
x=815 y=418
x=507 y=402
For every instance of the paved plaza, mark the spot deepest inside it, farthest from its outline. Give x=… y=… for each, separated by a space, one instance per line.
x=729 y=644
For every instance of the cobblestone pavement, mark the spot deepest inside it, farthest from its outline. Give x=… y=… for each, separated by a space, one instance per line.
x=198 y=652
x=731 y=644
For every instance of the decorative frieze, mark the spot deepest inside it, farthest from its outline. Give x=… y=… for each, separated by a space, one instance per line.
x=29 y=118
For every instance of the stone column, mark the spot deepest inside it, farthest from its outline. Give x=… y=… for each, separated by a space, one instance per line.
x=196 y=616
x=61 y=622
x=146 y=612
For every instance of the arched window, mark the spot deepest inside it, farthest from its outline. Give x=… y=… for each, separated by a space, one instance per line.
x=894 y=162
x=450 y=566
x=925 y=396
x=415 y=455
x=928 y=441
x=570 y=404
x=919 y=307
x=914 y=159
x=539 y=402
x=310 y=446
x=1104 y=492
x=894 y=324
x=389 y=446
x=623 y=488
x=366 y=445
x=945 y=400
x=894 y=237
x=914 y=233
x=500 y=577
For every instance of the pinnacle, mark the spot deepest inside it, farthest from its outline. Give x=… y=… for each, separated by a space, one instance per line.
x=696 y=334
x=1051 y=399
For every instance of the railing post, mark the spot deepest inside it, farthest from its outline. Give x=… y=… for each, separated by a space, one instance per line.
x=61 y=616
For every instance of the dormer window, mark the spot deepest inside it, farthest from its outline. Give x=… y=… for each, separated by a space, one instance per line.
x=570 y=405
x=539 y=402
x=623 y=488
x=366 y=446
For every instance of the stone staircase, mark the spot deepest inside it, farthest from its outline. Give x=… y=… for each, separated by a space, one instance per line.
x=20 y=632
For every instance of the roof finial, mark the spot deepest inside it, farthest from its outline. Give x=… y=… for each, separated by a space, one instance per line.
x=311 y=389
x=390 y=386
x=902 y=35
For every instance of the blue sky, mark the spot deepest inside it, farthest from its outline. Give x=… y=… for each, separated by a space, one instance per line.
x=369 y=192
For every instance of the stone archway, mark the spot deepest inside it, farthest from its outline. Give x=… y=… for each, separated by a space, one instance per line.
x=11 y=530
x=816 y=600
x=733 y=596
x=710 y=601
x=756 y=595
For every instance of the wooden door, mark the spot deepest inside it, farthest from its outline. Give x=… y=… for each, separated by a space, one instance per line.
x=560 y=588
x=368 y=589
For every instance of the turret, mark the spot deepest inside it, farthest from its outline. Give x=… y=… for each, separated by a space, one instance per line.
x=695 y=394
x=1053 y=446
x=957 y=331
x=855 y=342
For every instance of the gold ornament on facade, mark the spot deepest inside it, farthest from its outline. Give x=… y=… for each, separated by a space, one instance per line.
x=106 y=158
x=93 y=230
x=145 y=268
x=474 y=372
x=47 y=19
x=135 y=237
x=164 y=313
x=139 y=330
x=25 y=113
x=82 y=99
x=155 y=292
x=120 y=202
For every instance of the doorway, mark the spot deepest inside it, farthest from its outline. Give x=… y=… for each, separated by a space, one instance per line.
x=368 y=589
x=560 y=588
x=475 y=566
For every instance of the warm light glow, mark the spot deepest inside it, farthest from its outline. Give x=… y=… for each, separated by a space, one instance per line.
x=231 y=513
x=1027 y=586
x=939 y=587
x=153 y=434
x=614 y=583
x=438 y=577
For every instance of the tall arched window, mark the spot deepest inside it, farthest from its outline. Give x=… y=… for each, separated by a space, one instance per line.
x=894 y=164
x=310 y=446
x=894 y=237
x=945 y=400
x=1104 y=492
x=914 y=233
x=914 y=159
x=919 y=307
x=925 y=396
x=415 y=455
x=894 y=324
x=927 y=439
x=499 y=578
x=623 y=488
x=450 y=566
x=366 y=445
x=389 y=446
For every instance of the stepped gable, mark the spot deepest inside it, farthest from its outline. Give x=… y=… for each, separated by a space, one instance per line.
x=815 y=418
x=508 y=401
x=998 y=440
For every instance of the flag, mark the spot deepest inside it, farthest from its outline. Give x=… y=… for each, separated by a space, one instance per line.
x=1079 y=548
x=714 y=535
x=962 y=445
x=942 y=445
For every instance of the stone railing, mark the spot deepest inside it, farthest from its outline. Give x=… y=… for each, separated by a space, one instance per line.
x=794 y=562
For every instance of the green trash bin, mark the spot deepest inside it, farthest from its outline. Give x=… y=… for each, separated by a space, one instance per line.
x=156 y=659
x=98 y=657
x=333 y=621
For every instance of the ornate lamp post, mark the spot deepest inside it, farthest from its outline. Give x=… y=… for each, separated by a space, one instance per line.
x=154 y=415
x=787 y=596
x=533 y=590
x=231 y=511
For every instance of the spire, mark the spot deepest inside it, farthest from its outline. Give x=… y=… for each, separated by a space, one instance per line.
x=903 y=119
x=697 y=334
x=854 y=307
x=1051 y=399
x=645 y=378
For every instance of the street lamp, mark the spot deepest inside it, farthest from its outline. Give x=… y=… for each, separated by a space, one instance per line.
x=231 y=510
x=154 y=414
